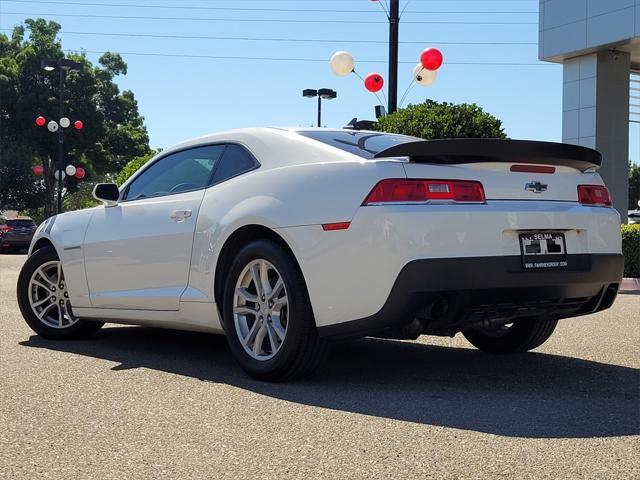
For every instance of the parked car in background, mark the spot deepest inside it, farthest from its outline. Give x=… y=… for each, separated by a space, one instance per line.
x=16 y=233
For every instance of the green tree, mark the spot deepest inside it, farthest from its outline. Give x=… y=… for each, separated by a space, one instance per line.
x=114 y=131
x=634 y=185
x=433 y=119
x=133 y=166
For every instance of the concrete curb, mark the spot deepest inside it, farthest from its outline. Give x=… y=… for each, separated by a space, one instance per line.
x=630 y=285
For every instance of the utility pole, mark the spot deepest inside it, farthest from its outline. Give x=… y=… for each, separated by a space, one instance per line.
x=394 y=27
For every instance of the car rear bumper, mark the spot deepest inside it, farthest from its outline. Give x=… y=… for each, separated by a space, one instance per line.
x=482 y=288
x=6 y=243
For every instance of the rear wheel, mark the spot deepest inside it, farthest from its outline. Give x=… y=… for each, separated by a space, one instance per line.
x=520 y=336
x=267 y=315
x=44 y=300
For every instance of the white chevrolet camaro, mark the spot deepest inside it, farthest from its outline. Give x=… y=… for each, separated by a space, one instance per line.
x=284 y=239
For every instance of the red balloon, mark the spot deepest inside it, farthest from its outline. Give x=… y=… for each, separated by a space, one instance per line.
x=40 y=121
x=80 y=173
x=78 y=125
x=431 y=59
x=37 y=170
x=373 y=82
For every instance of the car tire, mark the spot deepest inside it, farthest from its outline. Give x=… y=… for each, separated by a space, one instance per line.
x=70 y=326
x=521 y=336
x=300 y=351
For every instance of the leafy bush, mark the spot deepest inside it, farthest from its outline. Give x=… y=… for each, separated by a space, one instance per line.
x=132 y=167
x=631 y=250
x=433 y=119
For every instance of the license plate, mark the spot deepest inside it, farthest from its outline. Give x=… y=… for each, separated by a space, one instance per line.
x=543 y=250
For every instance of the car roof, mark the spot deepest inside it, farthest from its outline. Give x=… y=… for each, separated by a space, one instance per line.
x=267 y=145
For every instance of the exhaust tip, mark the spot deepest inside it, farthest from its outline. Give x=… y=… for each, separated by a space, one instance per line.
x=609 y=296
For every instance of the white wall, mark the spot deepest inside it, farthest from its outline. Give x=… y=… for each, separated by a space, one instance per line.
x=571 y=27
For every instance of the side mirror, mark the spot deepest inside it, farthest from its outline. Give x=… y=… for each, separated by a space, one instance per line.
x=107 y=193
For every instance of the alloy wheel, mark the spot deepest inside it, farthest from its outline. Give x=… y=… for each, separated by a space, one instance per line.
x=48 y=296
x=260 y=310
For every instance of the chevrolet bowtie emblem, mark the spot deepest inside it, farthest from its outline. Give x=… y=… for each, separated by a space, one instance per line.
x=536 y=187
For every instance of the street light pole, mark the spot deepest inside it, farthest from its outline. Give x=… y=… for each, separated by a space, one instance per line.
x=62 y=65
x=394 y=27
x=60 y=138
x=325 y=93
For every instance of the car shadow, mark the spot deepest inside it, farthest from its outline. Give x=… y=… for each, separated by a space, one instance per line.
x=532 y=395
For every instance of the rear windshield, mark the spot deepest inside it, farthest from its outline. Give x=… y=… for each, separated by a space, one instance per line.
x=363 y=144
x=20 y=223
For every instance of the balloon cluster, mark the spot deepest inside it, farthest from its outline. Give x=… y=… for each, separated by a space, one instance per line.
x=53 y=126
x=70 y=170
x=342 y=64
x=424 y=73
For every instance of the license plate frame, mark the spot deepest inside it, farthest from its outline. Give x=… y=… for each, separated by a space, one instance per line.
x=543 y=250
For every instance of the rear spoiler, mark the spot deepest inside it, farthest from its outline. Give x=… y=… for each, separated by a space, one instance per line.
x=480 y=150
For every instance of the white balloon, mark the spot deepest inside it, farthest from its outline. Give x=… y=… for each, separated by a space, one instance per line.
x=65 y=122
x=70 y=170
x=341 y=63
x=52 y=126
x=422 y=76
x=60 y=175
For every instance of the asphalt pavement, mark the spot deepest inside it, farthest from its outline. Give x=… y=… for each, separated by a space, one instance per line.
x=141 y=403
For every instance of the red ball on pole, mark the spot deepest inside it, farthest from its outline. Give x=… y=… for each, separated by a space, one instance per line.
x=40 y=121
x=37 y=170
x=373 y=82
x=78 y=125
x=80 y=173
x=431 y=59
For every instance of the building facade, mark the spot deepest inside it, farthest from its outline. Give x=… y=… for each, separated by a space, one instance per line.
x=598 y=44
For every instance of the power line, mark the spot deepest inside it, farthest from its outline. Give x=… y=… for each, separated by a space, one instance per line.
x=268 y=20
x=253 y=9
x=271 y=39
x=289 y=59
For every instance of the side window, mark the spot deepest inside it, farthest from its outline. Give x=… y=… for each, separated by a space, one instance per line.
x=235 y=160
x=179 y=172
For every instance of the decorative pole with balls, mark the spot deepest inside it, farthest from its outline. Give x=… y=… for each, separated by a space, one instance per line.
x=63 y=65
x=61 y=171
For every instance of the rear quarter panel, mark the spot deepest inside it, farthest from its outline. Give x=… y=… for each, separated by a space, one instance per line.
x=307 y=194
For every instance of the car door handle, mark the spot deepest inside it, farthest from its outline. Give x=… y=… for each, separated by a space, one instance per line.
x=180 y=215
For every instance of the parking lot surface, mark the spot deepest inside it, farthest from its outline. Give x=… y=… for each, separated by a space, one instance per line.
x=138 y=403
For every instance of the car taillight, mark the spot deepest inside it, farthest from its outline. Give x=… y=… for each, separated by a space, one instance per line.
x=594 y=195
x=398 y=190
x=5 y=228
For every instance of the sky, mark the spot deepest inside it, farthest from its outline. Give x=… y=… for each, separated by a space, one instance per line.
x=278 y=48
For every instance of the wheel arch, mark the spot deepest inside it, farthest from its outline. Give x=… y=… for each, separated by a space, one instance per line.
x=233 y=244
x=40 y=244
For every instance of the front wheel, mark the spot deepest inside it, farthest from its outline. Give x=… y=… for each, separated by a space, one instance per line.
x=520 y=336
x=44 y=300
x=267 y=315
